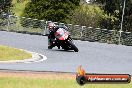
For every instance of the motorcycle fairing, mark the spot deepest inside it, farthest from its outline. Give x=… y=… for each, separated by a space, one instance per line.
x=61 y=34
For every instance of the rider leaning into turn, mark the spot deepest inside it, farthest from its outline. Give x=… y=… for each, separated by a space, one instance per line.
x=51 y=38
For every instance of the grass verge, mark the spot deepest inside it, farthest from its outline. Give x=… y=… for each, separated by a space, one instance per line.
x=18 y=7
x=48 y=80
x=9 y=53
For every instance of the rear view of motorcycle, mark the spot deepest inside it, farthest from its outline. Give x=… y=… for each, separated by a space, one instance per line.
x=64 y=40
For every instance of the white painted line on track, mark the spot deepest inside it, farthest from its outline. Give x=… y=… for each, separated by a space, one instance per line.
x=36 y=57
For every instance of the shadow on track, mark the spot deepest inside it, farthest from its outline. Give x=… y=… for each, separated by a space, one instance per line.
x=60 y=50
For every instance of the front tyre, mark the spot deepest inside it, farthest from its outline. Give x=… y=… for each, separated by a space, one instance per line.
x=73 y=46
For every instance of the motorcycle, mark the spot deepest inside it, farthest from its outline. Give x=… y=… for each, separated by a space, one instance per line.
x=64 y=40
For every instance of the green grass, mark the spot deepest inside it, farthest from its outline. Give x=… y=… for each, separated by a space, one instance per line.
x=9 y=53
x=19 y=7
x=12 y=82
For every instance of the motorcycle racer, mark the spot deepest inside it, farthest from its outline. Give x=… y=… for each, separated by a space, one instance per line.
x=51 y=37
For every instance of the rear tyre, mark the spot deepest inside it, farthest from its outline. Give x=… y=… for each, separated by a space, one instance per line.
x=73 y=46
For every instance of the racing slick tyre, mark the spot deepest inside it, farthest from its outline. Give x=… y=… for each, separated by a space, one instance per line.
x=73 y=46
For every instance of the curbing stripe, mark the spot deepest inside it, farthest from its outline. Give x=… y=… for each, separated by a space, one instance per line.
x=36 y=57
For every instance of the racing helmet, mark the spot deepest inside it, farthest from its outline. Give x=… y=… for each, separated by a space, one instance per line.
x=51 y=26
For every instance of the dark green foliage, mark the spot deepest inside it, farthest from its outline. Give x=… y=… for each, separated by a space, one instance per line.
x=114 y=7
x=87 y=15
x=99 y=1
x=5 y=5
x=54 y=10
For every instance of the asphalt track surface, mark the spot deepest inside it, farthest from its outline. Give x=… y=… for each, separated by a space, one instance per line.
x=94 y=57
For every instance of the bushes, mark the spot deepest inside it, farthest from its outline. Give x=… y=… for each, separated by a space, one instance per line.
x=88 y=15
x=5 y=5
x=91 y=15
x=50 y=9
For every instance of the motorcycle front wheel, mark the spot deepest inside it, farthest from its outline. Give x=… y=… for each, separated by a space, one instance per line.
x=73 y=46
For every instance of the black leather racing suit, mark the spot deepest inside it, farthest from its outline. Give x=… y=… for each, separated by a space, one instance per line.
x=51 y=38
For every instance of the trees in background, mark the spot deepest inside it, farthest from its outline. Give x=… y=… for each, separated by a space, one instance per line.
x=92 y=15
x=54 y=10
x=87 y=15
x=107 y=16
x=5 y=5
x=114 y=7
